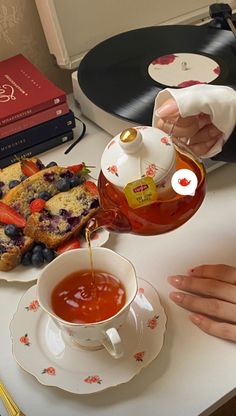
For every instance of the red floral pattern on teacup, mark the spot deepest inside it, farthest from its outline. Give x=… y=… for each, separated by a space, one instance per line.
x=164 y=60
x=93 y=379
x=25 y=340
x=33 y=306
x=152 y=323
x=165 y=140
x=50 y=371
x=141 y=290
x=113 y=169
x=151 y=170
x=139 y=355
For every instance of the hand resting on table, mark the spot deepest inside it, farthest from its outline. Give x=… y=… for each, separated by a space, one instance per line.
x=209 y=291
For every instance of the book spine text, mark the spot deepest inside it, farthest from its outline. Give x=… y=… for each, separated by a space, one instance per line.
x=33 y=120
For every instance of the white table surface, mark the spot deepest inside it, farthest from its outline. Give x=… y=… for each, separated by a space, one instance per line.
x=193 y=370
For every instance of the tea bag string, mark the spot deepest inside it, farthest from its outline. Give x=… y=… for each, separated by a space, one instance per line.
x=171 y=136
x=140 y=174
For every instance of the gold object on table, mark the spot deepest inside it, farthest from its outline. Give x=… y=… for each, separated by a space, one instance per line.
x=10 y=405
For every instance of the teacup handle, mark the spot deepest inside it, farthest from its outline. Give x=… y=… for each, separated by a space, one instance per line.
x=112 y=342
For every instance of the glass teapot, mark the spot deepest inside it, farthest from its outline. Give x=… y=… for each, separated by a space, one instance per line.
x=147 y=184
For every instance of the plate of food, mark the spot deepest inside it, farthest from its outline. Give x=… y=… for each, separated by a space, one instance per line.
x=43 y=212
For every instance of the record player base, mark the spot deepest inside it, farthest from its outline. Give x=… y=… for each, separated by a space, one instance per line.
x=112 y=124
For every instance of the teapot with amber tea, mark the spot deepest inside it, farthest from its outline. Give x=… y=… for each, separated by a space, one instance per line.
x=147 y=184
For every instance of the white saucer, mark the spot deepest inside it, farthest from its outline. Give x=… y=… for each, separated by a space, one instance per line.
x=29 y=274
x=39 y=348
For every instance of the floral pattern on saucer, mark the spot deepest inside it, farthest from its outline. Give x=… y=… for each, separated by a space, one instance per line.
x=40 y=348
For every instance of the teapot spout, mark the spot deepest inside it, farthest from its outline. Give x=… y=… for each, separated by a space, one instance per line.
x=111 y=219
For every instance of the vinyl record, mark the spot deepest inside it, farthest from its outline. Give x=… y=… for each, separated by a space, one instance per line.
x=123 y=74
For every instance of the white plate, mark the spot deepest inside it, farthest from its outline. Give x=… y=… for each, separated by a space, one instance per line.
x=30 y=273
x=40 y=349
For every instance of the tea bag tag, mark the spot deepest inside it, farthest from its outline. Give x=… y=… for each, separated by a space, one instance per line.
x=141 y=192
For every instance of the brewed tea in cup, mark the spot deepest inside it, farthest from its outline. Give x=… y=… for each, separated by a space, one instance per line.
x=88 y=296
x=89 y=305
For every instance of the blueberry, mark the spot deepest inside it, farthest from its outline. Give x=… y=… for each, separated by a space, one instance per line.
x=1 y=194
x=11 y=230
x=37 y=249
x=44 y=195
x=13 y=183
x=75 y=181
x=23 y=178
x=51 y=164
x=39 y=164
x=2 y=249
x=49 y=177
x=26 y=259
x=66 y=174
x=48 y=254
x=64 y=213
x=63 y=184
x=37 y=259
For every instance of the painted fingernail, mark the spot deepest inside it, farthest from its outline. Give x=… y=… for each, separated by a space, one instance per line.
x=196 y=319
x=175 y=280
x=213 y=131
x=167 y=110
x=177 y=297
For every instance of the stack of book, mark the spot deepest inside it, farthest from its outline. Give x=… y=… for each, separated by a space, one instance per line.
x=34 y=113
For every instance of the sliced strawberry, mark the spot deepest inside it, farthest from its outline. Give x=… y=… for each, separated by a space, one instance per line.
x=28 y=167
x=91 y=187
x=68 y=245
x=76 y=168
x=9 y=215
x=37 y=205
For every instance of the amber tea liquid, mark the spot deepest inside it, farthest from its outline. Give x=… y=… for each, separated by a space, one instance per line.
x=83 y=297
x=160 y=216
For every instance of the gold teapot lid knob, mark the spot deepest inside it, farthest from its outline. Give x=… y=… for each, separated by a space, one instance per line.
x=131 y=140
x=128 y=135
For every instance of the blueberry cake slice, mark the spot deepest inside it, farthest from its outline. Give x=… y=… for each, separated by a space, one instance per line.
x=13 y=175
x=63 y=215
x=41 y=183
x=13 y=244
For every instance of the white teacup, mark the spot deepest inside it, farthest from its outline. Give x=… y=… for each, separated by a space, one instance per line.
x=98 y=334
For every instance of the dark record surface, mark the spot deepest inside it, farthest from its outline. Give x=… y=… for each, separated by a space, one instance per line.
x=114 y=74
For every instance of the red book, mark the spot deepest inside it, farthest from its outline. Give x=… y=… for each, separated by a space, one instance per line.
x=24 y=90
x=33 y=120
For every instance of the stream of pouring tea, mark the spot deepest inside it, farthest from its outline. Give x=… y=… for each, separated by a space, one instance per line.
x=88 y=240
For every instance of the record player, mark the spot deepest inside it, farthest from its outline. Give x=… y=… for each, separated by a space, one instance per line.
x=118 y=53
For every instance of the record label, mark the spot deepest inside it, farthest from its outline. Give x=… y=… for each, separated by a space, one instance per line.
x=183 y=69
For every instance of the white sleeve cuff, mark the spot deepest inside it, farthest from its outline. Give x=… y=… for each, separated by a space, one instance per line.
x=219 y=102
